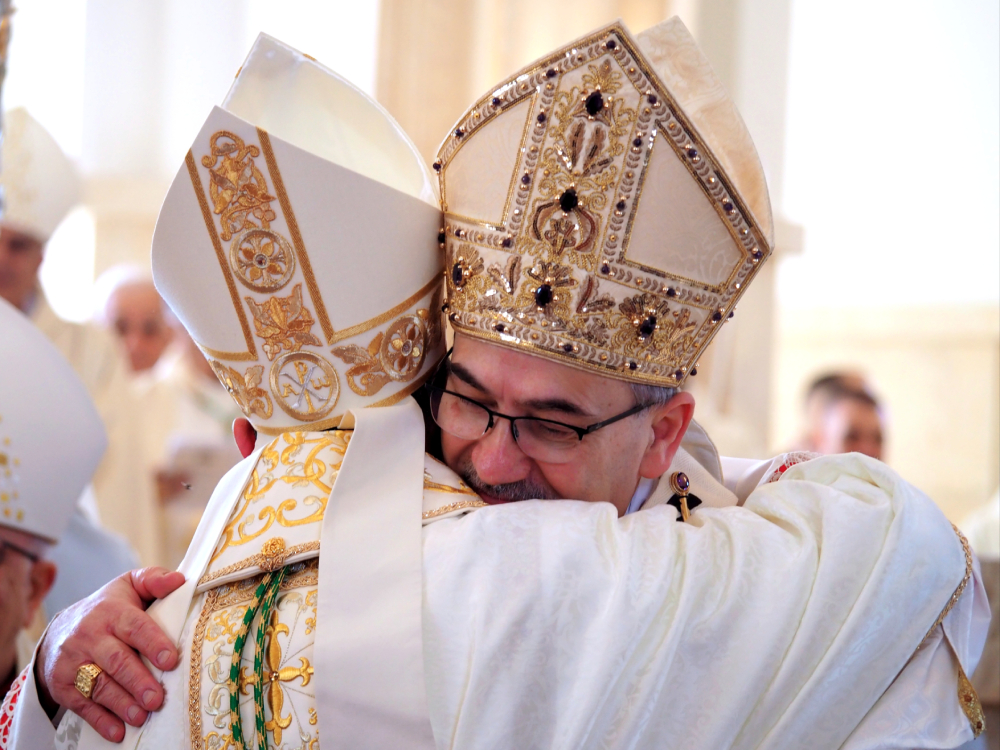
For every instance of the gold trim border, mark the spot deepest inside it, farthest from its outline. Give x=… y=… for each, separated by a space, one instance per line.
x=293 y=229
x=390 y=313
x=206 y=213
x=332 y=422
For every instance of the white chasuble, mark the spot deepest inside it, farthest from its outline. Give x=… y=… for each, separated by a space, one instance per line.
x=786 y=623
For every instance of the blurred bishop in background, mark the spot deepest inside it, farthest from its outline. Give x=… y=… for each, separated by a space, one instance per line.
x=40 y=187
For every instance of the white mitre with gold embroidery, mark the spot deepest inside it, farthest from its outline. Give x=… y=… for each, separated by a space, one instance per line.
x=40 y=184
x=51 y=437
x=604 y=207
x=297 y=246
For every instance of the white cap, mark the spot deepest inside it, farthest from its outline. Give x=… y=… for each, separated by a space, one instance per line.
x=40 y=184
x=51 y=436
x=298 y=246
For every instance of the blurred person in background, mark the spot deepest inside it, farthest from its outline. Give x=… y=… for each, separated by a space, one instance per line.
x=40 y=187
x=131 y=309
x=187 y=440
x=842 y=416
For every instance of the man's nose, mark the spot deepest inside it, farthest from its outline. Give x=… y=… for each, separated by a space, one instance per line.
x=498 y=458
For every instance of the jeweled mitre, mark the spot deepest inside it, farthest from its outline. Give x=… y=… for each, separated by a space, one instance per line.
x=604 y=207
x=297 y=246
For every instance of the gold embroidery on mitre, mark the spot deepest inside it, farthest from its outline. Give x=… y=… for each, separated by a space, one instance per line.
x=595 y=115
x=283 y=323
x=305 y=385
x=245 y=388
x=394 y=355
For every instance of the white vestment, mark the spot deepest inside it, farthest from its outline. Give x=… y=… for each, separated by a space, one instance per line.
x=795 y=621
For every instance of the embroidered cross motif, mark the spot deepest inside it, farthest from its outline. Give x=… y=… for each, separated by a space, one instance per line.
x=276 y=676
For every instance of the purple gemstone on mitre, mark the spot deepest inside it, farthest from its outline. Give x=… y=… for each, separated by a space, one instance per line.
x=692 y=152
x=543 y=295
x=441 y=236
x=437 y=166
x=506 y=242
x=620 y=205
x=550 y=73
x=671 y=292
x=652 y=99
x=568 y=200
x=496 y=101
x=632 y=365
x=727 y=207
x=457 y=274
x=541 y=117
x=594 y=103
x=605 y=268
x=637 y=142
x=757 y=254
x=526 y=179
x=648 y=327
x=678 y=374
x=716 y=316
x=567 y=348
x=499 y=327
x=611 y=44
x=459 y=132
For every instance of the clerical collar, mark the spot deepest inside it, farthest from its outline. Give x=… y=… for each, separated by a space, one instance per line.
x=645 y=488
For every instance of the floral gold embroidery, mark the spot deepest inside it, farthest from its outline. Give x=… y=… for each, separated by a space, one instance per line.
x=648 y=326
x=398 y=354
x=245 y=389
x=237 y=188
x=282 y=462
x=262 y=259
x=283 y=323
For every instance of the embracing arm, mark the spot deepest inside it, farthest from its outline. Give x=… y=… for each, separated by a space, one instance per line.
x=779 y=624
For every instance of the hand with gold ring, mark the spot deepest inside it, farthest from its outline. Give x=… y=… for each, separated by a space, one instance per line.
x=88 y=661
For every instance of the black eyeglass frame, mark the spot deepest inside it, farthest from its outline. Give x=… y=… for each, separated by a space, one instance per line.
x=4 y=546
x=581 y=432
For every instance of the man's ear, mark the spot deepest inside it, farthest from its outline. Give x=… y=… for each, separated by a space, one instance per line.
x=669 y=423
x=41 y=578
x=245 y=436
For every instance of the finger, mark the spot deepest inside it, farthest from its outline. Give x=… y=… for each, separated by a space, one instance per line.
x=103 y=721
x=113 y=697
x=128 y=671
x=245 y=436
x=154 y=583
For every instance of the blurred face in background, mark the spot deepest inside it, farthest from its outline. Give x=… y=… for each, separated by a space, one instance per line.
x=134 y=312
x=851 y=424
x=23 y=584
x=20 y=257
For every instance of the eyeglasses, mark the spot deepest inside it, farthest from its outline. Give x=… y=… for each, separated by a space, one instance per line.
x=4 y=546
x=543 y=440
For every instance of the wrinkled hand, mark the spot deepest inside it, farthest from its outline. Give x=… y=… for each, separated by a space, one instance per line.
x=107 y=628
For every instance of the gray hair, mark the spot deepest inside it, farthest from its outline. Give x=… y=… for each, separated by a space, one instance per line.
x=651 y=395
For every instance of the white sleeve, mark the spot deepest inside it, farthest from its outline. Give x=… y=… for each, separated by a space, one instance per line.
x=775 y=625
x=24 y=725
x=930 y=705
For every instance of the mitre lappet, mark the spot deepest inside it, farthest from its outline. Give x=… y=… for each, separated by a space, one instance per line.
x=604 y=207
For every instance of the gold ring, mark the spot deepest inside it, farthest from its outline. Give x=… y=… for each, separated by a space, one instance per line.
x=86 y=676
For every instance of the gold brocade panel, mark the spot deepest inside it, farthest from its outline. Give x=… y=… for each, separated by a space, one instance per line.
x=290 y=632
